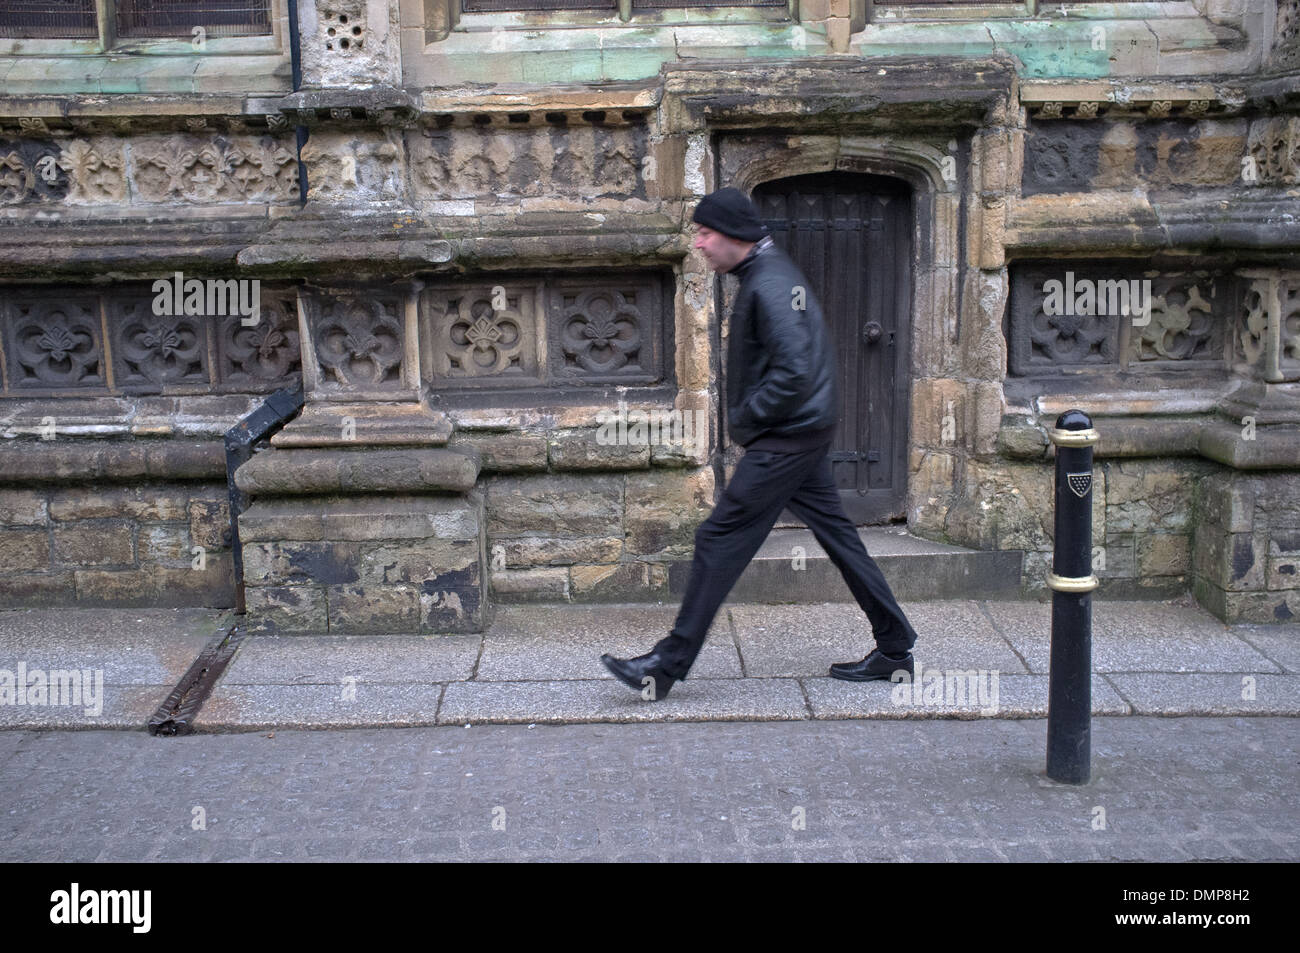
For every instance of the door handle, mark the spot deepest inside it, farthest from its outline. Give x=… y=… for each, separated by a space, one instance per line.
x=872 y=332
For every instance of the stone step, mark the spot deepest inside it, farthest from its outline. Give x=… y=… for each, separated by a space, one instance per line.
x=916 y=569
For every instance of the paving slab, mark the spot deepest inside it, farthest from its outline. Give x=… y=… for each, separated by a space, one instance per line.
x=798 y=641
x=1135 y=637
x=261 y=707
x=702 y=699
x=1204 y=693
x=135 y=656
x=1280 y=643
x=537 y=643
x=369 y=659
x=1017 y=696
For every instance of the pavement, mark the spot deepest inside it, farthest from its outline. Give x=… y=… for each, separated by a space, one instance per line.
x=1162 y=789
x=539 y=664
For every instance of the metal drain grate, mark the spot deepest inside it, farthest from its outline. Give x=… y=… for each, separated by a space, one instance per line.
x=176 y=714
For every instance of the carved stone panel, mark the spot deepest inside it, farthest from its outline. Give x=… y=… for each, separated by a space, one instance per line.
x=30 y=172
x=577 y=161
x=1266 y=334
x=354 y=165
x=52 y=342
x=96 y=170
x=1274 y=149
x=1076 y=316
x=209 y=169
x=155 y=352
x=358 y=338
x=1188 y=322
x=552 y=332
x=605 y=332
x=266 y=355
x=483 y=335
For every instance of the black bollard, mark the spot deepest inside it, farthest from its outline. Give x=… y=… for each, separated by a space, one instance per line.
x=1069 y=693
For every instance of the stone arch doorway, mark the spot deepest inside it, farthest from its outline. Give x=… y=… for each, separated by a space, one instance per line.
x=850 y=233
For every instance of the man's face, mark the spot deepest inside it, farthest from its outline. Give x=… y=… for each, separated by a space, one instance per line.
x=722 y=252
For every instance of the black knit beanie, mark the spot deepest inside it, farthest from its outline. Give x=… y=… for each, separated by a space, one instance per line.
x=731 y=212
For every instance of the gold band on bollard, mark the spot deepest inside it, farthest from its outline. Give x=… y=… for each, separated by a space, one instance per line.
x=1071 y=583
x=1073 y=438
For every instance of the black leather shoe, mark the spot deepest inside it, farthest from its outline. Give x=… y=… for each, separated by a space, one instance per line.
x=644 y=673
x=872 y=667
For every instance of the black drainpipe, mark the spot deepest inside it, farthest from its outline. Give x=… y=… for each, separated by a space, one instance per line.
x=295 y=62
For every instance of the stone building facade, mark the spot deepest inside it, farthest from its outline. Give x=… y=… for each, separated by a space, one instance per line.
x=468 y=224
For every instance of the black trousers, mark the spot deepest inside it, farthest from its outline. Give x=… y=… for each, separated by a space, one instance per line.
x=765 y=483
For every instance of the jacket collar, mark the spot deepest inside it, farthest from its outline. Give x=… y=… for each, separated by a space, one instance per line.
x=760 y=247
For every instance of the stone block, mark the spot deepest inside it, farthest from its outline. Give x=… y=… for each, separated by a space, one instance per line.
x=421 y=562
x=209 y=523
x=23 y=508
x=1231 y=561
x=149 y=502
x=663 y=509
x=625 y=582
x=1150 y=496
x=24 y=550
x=94 y=544
x=1284 y=560
x=524 y=585
x=582 y=450
x=559 y=505
x=286 y=609
x=159 y=586
x=1226 y=500
x=1277 y=500
x=504 y=452
x=1118 y=559
x=453 y=608
x=293 y=563
x=360 y=518
x=521 y=553
x=1163 y=554
x=36 y=589
x=167 y=544
x=366 y=609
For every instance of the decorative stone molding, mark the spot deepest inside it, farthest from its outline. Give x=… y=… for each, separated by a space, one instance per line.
x=181 y=169
x=1286 y=32
x=54 y=343
x=1274 y=146
x=1070 y=316
x=560 y=332
x=1266 y=335
x=30 y=171
x=361 y=166
x=205 y=170
x=1099 y=99
x=561 y=162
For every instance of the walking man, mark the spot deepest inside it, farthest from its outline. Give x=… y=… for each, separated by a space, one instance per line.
x=781 y=407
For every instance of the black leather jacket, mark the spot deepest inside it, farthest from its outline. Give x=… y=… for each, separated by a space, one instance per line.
x=780 y=361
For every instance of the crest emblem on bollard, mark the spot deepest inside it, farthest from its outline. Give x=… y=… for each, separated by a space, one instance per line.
x=1080 y=483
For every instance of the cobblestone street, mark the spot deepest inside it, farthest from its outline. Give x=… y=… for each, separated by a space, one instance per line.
x=1164 y=789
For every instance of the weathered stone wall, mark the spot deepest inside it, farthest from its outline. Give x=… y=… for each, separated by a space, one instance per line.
x=479 y=273
x=143 y=544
